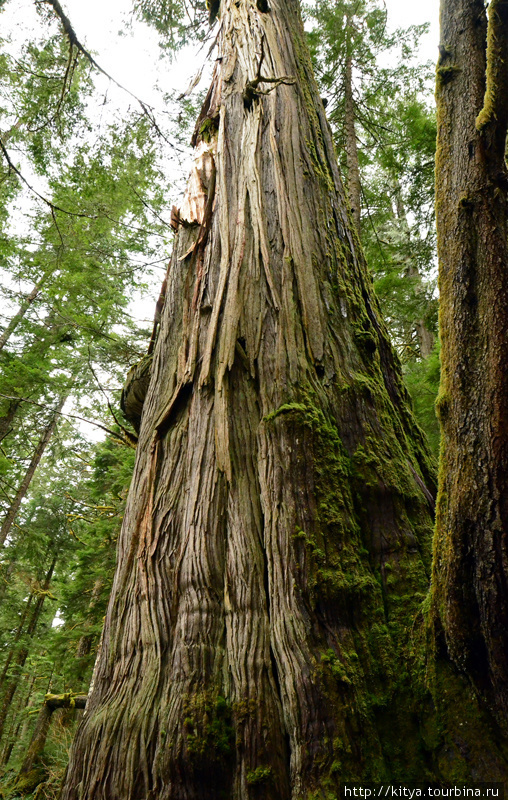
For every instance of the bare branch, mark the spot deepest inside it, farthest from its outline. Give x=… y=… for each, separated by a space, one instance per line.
x=51 y=205
x=73 y=39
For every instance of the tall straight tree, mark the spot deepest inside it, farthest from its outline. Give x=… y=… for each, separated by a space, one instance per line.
x=471 y=563
x=30 y=472
x=276 y=542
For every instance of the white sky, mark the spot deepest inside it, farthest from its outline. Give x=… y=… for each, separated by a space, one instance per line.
x=133 y=59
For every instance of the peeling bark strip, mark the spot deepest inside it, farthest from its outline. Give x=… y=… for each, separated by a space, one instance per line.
x=250 y=621
x=471 y=557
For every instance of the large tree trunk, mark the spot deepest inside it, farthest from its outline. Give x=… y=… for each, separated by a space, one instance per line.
x=471 y=553
x=276 y=542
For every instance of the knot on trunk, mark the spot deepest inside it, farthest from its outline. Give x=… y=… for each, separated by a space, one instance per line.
x=135 y=389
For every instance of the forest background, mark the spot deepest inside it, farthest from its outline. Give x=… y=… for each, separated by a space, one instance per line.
x=88 y=178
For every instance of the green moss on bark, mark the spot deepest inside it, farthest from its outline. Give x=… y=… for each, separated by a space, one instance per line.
x=209 y=732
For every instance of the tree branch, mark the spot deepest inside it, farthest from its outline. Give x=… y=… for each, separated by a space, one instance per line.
x=51 y=205
x=73 y=39
x=67 y=700
x=115 y=434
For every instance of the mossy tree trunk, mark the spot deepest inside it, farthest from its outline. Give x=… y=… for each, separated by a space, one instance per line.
x=471 y=553
x=276 y=541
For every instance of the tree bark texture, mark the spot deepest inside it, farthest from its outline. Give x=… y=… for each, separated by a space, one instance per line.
x=470 y=578
x=277 y=530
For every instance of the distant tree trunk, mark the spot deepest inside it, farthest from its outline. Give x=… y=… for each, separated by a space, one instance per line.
x=8 y=418
x=275 y=549
x=471 y=552
x=426 y=339
x=85 y=643
x=23 y=308
x=6 y=135
x=19 y=723
x=354 y=187
x=17 y=637
x=32 y=467
x=28 y=703
x=23 y=652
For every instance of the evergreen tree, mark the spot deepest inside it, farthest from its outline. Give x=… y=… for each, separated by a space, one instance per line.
x=78 y=496
x=384 y=130
x=94 y=229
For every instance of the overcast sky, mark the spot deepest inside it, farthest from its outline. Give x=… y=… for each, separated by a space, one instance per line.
x=129 y=51
x=133 y=59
